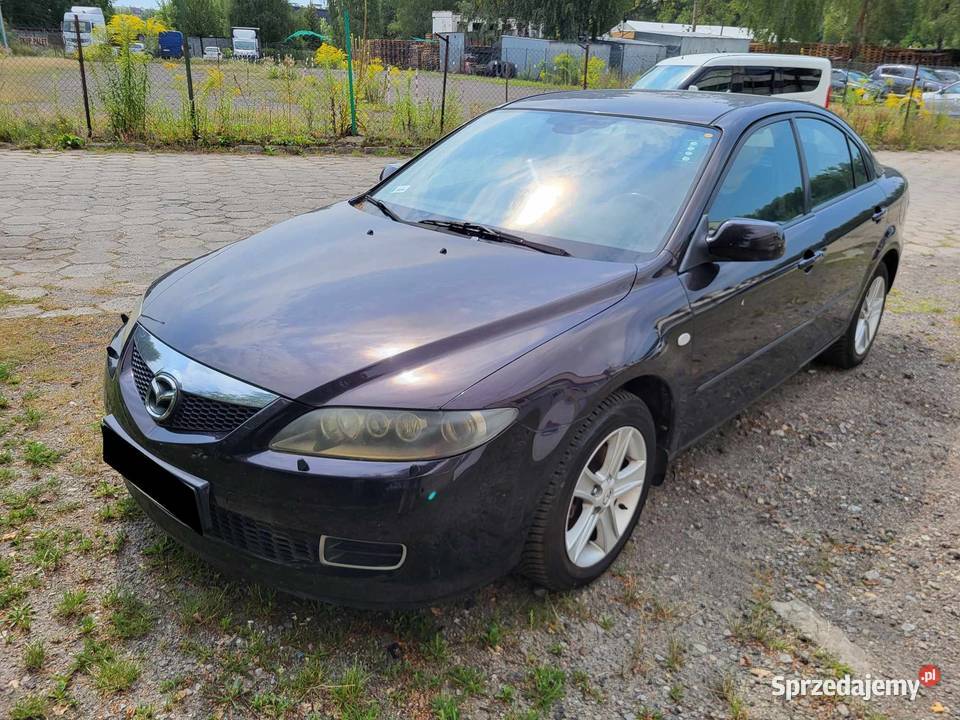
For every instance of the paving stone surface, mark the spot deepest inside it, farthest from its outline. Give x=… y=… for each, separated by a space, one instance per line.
x=86 y=231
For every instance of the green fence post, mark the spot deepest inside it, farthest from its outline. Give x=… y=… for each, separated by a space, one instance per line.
x=353 y=102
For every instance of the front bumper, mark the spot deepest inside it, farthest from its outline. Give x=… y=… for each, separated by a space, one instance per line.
x=261 y=514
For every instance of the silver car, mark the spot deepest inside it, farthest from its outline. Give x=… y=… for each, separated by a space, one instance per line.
x=945 y=101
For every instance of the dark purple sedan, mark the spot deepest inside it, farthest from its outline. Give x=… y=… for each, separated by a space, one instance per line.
x=486 y=362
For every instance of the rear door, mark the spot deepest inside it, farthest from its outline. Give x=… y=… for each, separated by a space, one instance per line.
x=751 y=325
x=849 y=215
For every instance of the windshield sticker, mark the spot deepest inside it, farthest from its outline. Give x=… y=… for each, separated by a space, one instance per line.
x=399 y=189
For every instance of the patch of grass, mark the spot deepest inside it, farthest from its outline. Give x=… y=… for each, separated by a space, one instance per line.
x=94 y=653
x=71 y=604
x=546 y=686
x=271 y=704
x=676 y=693
x=645 y=713
x=10 y=594
x=492 y=635
x=130 y=617
x=48 y=550
x=122 y=509
x=6 y=568
x=726 y=690
x=20 y=617
x=30 y=418
x=351 y=697
x=6 y=457
x=6 y=374
x=899 y=304
x=445 y=707
x=676 y=654
x=507 y=694
x=468 y=679
x=4 y=402
x=39 y=455
x=581 y=681
x=34 y=654
x=758 y=625
x=830 y=662
x=29 y=707
x=115 y=675
x=436 y=649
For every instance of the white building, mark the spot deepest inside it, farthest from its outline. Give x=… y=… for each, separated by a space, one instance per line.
x=627 y=28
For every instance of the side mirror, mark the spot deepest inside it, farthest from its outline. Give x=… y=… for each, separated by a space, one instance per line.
x=694 y=88
x=389 y=170
x=745 y=240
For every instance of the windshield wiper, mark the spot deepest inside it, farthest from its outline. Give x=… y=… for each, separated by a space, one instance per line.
x=485 y=232
x=381 y=206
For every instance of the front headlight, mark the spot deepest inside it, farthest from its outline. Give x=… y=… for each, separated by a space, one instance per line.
x=400 y=435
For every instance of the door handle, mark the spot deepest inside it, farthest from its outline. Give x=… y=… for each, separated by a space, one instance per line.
x=879 y=213
x=810 y=259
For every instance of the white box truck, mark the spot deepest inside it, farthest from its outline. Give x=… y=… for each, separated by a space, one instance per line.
x=246 y=43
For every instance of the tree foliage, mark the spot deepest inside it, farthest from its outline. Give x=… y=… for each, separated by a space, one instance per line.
x=273 y=17
x=206 y=18
x=45 y=13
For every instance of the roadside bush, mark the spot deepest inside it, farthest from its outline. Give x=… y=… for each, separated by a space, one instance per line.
x=330 y=57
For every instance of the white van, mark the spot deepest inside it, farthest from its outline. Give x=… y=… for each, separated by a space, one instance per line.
x=90 y=18
x=799 y=77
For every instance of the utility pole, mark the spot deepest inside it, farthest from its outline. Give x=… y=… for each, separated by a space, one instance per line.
x=694 y=23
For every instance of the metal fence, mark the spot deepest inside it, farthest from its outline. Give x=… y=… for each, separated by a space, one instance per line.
x=402 y=91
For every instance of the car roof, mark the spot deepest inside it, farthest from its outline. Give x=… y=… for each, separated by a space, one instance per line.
x=772 y=58
x=691 y=106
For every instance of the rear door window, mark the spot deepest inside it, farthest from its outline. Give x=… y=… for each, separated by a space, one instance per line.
x=715 y=79
x=800 y=79
x=758 y=80
x=828 y=159
x=764 y=181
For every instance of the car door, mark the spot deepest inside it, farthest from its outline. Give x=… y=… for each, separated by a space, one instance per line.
x=750 y=326
x=849 y=219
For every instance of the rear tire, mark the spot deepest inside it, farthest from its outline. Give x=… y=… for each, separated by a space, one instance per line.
x=595 y=495
x=853 y=348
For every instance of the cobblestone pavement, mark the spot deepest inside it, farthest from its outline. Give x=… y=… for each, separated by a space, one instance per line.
x=82 y=233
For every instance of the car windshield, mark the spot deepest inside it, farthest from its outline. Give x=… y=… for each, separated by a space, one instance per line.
x=70 y=26
x=598 y=186
x=663 y=77
x=245 y=44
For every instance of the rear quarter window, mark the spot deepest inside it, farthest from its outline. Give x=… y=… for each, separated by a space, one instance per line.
x=828 y=159
x=799 y=79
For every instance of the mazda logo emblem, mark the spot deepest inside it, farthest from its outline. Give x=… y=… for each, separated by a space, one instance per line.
x=162 y=396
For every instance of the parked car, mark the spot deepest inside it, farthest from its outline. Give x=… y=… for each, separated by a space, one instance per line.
x=212 y=52
x=138 y=48
x=487 y=360
x=798 y=77
x=945 y=101
x=851 y=79
x=900 y=78
x=947 y=76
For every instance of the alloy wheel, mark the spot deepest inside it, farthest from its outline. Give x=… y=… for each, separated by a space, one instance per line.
x=871 y=309
x=606 y=496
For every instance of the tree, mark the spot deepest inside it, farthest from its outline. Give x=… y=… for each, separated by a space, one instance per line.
x=273 y=17
x=204 y=18
x=45 y=13
x=561 y=19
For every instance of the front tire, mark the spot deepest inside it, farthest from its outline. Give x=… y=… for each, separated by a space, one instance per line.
x=853 y=348
x=595 y=496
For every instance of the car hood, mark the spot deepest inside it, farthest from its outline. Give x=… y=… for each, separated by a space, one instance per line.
x=346 y=306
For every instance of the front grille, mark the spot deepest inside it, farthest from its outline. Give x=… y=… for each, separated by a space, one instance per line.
x=193 y=413
x=264 y=541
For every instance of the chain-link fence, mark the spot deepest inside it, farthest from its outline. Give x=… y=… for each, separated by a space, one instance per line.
x=406 y=92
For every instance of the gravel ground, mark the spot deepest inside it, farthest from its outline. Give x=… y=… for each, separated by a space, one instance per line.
x=838 y=490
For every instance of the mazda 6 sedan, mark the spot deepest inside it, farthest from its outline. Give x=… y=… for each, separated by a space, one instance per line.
x=484 y=363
